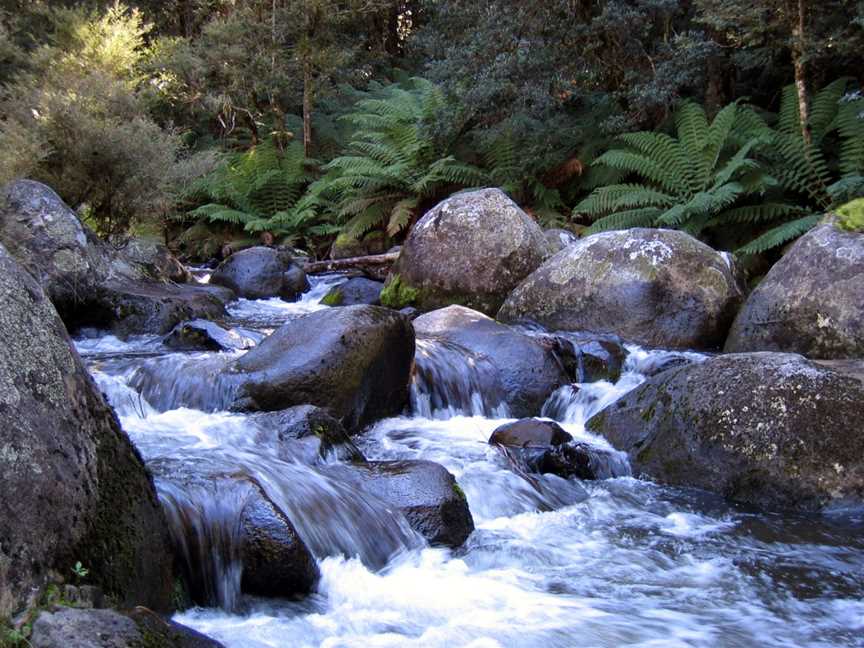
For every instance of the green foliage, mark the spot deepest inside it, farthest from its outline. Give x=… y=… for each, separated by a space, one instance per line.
x=695 y=181
x=850 y=216
x=333 y=298
x=398 y=294
x=80 y=571
x=393 y=164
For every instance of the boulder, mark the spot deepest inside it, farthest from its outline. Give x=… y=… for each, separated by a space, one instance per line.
x=769 y=429
x=588 y=357
x=48 y=240
x=425 y=493
x=811 y=302
x=260 y=273
x=148 y=260
x=559 y=239
x=209 y=336
x=358 y=290
x=356 y=361
x=515 y=364
x=471 y=249
x=88 y=628
x=74 y=488
x=660 y=288
x=219 y=515
x=305 y=433
x=541 y=446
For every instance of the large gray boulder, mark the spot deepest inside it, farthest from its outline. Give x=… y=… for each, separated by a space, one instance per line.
x=88 y=628
x=73 y=487
x=48 y=240
x=770 y=429
x=354 y=360
x=471 y=249
x=146 y=259
x=661 y=288
x=513 y=364
x=261 y=272
x=811 y=302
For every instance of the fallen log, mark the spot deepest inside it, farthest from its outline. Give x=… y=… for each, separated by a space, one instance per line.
x=375 y=266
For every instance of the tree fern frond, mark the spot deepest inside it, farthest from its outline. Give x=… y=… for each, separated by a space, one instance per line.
x=780 y=235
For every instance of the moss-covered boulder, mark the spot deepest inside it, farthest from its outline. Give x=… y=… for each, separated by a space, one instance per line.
x=355 y=360
x=770 y=429
x=660 y=288
x=471 y=249
x=811 y=302
x=73 y=487
x=261 y=272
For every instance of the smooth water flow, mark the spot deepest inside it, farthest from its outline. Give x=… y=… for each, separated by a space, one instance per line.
x=552 y=562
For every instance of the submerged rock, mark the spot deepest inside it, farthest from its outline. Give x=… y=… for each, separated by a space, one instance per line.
x=425 y=493
x=261 y=272
x=517 y=365
x=811 y=302
x=73 y=486
x=661 y=288
x=207 y=336
x=471 y=249
x=356 y=361
x=306 y=433
x=770 y=429
x=78 y=628
x=358 y=290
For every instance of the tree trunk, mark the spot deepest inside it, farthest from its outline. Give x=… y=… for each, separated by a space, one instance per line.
x=799 y=51
x=307 y=110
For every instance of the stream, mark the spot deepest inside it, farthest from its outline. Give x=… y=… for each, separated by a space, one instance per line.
x=557 y=563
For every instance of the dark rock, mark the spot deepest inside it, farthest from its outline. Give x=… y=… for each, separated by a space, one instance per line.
x=559 y=239
x=259 y=273
x=426 y=494
x=355 y=291
x=530 y=433
x=356 y=361
x=811 y=302
x=208 y=336
x=87 y=628
x=588 y=357
x=319 y=433
x=48 y=240
x=471 y=249
x=74 y=488
x=524 y=371
x=768 y=429
x=661 y=288
x=219 y=514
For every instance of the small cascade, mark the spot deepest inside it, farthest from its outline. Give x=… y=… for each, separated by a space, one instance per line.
x=195 y=381
x=449 y=381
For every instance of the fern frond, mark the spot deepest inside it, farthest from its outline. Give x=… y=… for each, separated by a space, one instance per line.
x=780 y=235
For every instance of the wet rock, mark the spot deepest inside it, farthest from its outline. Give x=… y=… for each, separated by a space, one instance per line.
x=77 y=628
x=559 y=239
x=471 y=249
x=260 y=273
x=220 y=516
x=587 y=357
x=519 y=366
x=74 y=488
x=145 y=259
x=358 y=290
x=770 y=429
x=208 y=336
x=426 y=494
x=661 y=288
x=410 y=312
x=306 y=433
x=47 y=239
x=811 y=302
x=544 y=447
x=356 y=361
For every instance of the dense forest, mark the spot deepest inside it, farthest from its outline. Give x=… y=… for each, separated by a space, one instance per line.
x=217 y=123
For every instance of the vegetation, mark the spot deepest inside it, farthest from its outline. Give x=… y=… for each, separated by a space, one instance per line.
x=299 y=121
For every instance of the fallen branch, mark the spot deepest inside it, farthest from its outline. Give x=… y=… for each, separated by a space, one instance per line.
x=376 y=266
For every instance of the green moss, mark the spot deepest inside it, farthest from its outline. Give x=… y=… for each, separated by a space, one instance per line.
x=851 y=216
x=333 y=298
x=459 y=492
x=398 y=294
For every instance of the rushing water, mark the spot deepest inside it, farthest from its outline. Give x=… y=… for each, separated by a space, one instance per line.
x=617 y=562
